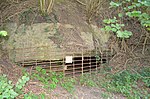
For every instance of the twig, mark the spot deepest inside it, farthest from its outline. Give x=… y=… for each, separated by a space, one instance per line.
x=137 y=43
x=15 y=14
x=81 y=2
x=145 y=40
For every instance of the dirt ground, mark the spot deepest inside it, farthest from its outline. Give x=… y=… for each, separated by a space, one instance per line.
x=11 y=13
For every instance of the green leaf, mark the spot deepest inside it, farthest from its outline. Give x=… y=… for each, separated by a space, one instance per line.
x=131 y=7
x=122 y=25
x=120 y=15
x=144 y=2
x=53 y=85
x=108 y=28
x=134 y=14
x=113 y=25
x=38 y=69
x=55 y=80
x=103 y=29
x=114 y=20
x=43 y=71
x=3 y=33
x=114 y=4
x=148 y=29
x=119 y=34
x=25 y=79
x=144 y=16
x=114 y=29
x=42 y=96
x=107 y=21
x=128 y=0
x=124 y=34
x=118 y=27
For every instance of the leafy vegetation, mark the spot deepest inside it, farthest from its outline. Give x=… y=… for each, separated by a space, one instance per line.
x=10 y=91
x=126 y=82
x=85 y=80
x=3 y=33
x=52 y=79
x=68 y=84
x=145 y=75
x=33 y=96
x=131 y=11
x=132 y=84
x=112 y=25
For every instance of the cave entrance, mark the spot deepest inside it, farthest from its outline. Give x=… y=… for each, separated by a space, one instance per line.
x=70 y=63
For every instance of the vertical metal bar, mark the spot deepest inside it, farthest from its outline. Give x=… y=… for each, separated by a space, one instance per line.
x=96 y=60
x=90 y=62
x=73 y=66
x=50 y=63
x=82 y=62
x=107 y=56
x=36 y=63
x=23 y=54
x=63 y=65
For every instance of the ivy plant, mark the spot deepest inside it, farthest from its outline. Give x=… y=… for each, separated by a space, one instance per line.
x=133 y=10
x=8 y=90
x=112 y=25
x=50 y=80
x=21 y=82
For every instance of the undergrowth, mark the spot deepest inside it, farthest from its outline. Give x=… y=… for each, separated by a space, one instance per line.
x=9 y=90
x=52 y=79
x=33 y=96
x=129 y=83
x=86 y=80
x=69 y=84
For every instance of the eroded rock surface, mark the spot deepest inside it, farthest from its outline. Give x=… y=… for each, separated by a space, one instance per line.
x=45 y=40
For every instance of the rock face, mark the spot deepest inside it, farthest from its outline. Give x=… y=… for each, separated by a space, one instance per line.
x=49 y=40
x=62 y=32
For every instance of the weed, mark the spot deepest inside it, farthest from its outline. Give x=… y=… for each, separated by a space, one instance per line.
x=86 y=80
x=105 y=95
x=50 y=80
x=69 y=84
x=145 y=73
x=126 y=83
x=10 y=91
x=132 y=10
x=33 y=96
x=113 y=26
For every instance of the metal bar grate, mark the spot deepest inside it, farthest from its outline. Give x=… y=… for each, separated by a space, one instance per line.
x=80 y=62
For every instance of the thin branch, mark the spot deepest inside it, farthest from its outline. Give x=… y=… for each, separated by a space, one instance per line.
x=81 y=2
